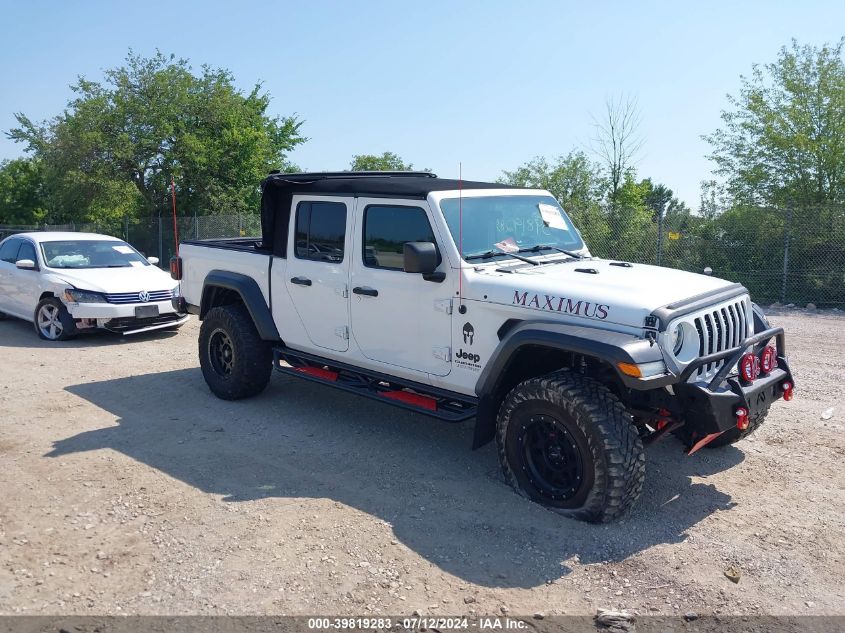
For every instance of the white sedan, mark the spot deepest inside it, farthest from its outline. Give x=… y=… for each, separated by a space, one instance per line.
x=67 y=283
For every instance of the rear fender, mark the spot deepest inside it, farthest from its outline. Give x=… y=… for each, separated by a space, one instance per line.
x=249 y=293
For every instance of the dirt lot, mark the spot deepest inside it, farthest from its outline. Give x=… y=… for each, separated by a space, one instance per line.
x=125 y=487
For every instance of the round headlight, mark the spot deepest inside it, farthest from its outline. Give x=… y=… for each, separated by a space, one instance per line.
x=677 y=339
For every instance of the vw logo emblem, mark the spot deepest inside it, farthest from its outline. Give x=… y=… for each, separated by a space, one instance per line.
x=143 y=296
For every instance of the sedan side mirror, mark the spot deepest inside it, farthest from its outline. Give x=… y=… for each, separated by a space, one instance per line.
x=25 y=264
x=422 y=257
x=153 y=260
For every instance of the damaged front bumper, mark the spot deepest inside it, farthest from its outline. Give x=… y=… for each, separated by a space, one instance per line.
x=130 y=318
x=711 y=408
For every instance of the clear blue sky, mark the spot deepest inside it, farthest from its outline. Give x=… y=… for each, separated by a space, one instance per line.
x=489 y=84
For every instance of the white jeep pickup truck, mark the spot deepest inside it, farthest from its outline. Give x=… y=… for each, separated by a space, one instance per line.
x=465 y=300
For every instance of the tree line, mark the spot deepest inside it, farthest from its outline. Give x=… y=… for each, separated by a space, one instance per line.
x=779 y=158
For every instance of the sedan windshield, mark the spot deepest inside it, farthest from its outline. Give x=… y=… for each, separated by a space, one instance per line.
x=498 y=225
x=91 y=254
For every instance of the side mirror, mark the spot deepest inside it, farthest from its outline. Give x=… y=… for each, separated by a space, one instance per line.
x=25 y=264
x=153 y=260
x=422 y=257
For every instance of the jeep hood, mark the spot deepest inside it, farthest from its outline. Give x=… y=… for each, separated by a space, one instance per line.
x=624 y=295
x=114 y=280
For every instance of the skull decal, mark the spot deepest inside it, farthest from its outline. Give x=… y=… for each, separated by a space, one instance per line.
x=469 y=333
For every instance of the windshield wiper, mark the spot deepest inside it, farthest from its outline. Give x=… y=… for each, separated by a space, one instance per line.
x=544 y=247
x=494 y=253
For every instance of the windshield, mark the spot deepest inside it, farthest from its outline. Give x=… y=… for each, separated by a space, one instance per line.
x=91 y=254
x=509 y=224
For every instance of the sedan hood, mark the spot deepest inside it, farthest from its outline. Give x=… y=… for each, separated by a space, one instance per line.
x=114 y=280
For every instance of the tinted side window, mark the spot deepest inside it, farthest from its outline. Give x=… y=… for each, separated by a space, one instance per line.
x=387 y=228
x=9 y=250
x=27 y=252
x=320 y=231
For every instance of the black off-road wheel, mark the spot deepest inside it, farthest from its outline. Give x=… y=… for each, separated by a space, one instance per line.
x=734 y=435
x=566 y=441
x=236 y=363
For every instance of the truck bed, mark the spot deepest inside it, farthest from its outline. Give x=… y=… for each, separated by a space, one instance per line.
x=243 y=255
x=250 y=244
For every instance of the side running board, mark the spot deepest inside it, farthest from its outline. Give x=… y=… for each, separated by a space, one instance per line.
x=425 y=399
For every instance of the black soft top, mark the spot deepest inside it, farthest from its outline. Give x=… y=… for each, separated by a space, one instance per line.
x=277 y=191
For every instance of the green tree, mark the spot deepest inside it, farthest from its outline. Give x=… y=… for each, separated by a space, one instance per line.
x=713 y=199
x=388 y=161
x=577 y=184
x=663 y=204
x=573 y=179
x=21 y=192
x=118 y=143
x=784 y=137
x=658 y=198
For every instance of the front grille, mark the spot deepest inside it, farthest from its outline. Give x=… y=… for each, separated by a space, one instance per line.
x=721 y=327
x=135 y=297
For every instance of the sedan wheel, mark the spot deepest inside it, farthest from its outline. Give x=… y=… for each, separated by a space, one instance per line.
x=49 y=322
x=52 y=321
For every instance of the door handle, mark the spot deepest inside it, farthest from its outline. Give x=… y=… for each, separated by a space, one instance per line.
x=300 y=281
x=365 y=290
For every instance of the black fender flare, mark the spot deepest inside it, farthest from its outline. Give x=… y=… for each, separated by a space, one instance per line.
x=609 y=347
x=250 y=294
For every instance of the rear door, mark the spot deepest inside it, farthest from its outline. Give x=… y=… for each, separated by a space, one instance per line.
x=398 y=318
x=317 y=269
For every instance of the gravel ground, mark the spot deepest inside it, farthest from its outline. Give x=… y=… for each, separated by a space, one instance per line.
x=127 y=488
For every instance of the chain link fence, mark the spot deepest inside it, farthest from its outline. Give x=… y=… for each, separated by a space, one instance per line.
x=782 y=255
x=154 y=237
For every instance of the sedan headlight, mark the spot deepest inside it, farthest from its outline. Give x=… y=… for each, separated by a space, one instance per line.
x=75 y=295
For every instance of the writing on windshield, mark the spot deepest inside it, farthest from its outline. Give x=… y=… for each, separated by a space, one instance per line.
x=527 y=221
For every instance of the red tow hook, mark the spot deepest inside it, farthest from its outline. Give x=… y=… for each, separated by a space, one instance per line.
x=741 y=418
x=742 y=422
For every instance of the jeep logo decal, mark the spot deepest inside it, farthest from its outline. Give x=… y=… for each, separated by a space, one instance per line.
x=467 y=360
x=561 y=304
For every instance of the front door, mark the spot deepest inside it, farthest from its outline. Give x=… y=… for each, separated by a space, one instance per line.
x=318 y=269
x=25 y=284
x=398 y=318
x=8 y=273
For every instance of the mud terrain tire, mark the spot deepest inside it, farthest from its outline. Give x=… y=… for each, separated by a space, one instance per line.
x=566 y=441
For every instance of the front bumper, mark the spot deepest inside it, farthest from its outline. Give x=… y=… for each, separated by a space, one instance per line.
x=711 y=408
x=115 y=311
x=122 y=318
